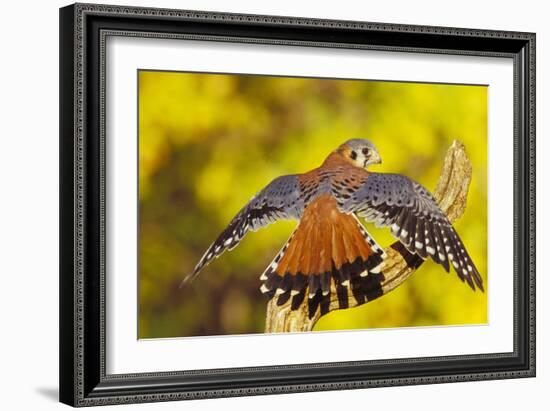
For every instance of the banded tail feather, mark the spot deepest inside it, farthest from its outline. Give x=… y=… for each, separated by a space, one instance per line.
x=327 y=248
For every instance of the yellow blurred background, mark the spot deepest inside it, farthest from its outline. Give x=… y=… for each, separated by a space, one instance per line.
x=209 y=142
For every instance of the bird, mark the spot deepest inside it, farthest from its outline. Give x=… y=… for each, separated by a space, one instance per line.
x=330 y=245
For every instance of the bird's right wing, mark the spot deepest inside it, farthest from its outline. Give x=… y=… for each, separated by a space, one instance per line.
x=415 y=219
x=279 y=200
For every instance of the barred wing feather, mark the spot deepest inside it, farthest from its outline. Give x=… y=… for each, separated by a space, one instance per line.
x=393 y=200
x=279 y=200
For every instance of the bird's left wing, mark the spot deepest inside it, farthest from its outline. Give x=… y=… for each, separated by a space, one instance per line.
x=415 y=219
x=279 y=200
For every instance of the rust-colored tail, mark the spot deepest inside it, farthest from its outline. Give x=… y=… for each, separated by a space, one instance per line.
x=326 y=246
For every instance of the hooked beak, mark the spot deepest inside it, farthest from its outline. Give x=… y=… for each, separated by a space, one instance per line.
x=373 y=159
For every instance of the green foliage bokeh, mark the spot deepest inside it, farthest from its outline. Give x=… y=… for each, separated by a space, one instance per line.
x=208 y=143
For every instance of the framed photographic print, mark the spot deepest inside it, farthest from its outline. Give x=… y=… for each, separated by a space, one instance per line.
x=261 y=204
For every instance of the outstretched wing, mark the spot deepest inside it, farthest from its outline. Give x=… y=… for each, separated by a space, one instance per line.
x=415 y=219
x=279 y=200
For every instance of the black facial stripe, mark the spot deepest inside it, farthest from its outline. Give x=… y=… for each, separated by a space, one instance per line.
x=353 y=155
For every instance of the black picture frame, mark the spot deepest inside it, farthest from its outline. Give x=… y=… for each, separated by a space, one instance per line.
x=83 y=381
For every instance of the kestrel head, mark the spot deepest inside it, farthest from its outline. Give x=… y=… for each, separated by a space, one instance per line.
x=359 y=152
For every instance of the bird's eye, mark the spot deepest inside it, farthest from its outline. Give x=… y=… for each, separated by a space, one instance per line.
x=365 y=151
x=353 y=155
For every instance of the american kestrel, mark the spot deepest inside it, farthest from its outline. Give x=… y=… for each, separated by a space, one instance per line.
x=329 y=243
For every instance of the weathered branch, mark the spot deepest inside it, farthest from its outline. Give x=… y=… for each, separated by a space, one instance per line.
x=284 y=315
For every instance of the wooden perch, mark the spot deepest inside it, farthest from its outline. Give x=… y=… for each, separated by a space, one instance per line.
x=451 y=194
